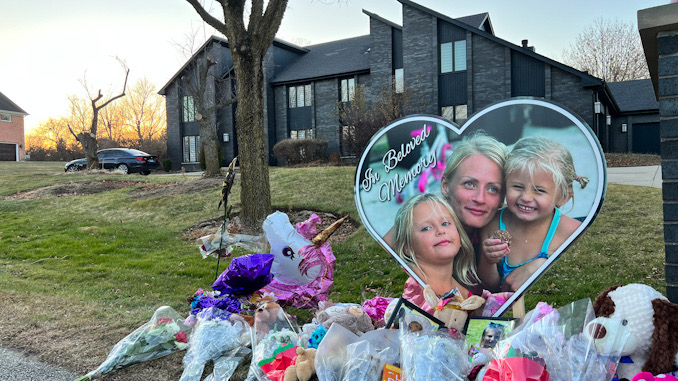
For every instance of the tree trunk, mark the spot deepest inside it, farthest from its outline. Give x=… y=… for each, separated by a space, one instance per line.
x=256 y=194
x=210 y=147
x=90 y=146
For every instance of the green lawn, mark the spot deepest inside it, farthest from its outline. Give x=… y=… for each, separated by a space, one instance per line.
x=79 y=273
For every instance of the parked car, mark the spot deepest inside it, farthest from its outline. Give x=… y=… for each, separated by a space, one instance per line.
x=125 y=160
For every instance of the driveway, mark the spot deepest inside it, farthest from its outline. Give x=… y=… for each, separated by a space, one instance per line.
x=649 y=176
x=15 y=366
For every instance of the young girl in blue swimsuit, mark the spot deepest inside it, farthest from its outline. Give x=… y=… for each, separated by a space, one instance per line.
x=539 y=180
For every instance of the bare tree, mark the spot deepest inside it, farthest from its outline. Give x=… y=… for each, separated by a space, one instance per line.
x=144 y=111
x=361 y=119
x=608 y=49
x=248 y=45
x=88 y=138
x=112 y=120
x=206 y=102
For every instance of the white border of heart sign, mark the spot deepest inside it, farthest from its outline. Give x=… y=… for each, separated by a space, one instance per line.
x=407 y=157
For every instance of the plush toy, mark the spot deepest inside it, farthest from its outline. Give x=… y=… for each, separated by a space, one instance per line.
x=317 y=336
x=304 y=365
x=652 y=322
x=352 y=318
x=452 y=312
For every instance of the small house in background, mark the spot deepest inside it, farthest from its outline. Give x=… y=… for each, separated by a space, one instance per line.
x=12 y=143
x=634 y=125
x=456 y=65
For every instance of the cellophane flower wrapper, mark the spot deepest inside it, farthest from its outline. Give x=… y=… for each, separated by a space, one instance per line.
x=362 y=363
x=267 y=338
x=432 y=355
x=332 y=352
x=225 y=366
x=556 y=340
x=245 y=275
x=341 y=353
x=164 y=334
x=209 y=244
x=213 y=336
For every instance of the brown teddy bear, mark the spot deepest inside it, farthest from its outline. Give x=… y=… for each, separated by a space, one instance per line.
x=304 y=365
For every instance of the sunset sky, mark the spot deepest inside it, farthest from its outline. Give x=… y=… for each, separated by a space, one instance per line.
x=49 y=45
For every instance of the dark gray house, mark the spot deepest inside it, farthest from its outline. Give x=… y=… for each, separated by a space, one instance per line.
x=634 y=123
x=458 y=65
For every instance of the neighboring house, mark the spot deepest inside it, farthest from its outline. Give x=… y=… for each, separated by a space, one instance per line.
x=12 y=143
x=457 y=65
x=634 y=125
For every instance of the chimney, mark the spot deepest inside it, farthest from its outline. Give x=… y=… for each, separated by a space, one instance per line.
x=524 y=42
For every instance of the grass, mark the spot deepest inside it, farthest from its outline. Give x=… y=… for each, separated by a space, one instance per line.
x=79 y=273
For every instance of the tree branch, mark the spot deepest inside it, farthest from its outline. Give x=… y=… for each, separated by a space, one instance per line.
x=71 y=130
x=124 y=88
x=211 y=20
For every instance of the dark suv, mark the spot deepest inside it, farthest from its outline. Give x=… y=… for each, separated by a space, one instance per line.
x=126 y=160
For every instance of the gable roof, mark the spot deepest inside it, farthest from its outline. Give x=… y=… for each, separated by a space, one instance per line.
x=635 y=95
x=480 y=21
x=220 y=40
x=385 y=21
x=330 y=59
x=587 y=79
x=7 y=105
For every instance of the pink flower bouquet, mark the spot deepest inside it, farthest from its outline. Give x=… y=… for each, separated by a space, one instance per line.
x=164 y=334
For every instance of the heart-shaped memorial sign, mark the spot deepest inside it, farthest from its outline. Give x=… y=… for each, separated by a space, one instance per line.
x=408 y=157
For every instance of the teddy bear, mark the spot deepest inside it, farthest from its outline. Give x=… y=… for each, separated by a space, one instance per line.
x=304 y=365
x=352 y=318
x=651 y=321
x=454 y=311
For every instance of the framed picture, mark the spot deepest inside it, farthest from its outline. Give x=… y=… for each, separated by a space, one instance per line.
x=408 y=158
x=415 y=318
x=483 y=333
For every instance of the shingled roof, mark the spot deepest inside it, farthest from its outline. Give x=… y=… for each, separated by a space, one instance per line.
x=635 y=95
x=343 y=57
x=586 y=79
x=480 y=21
x=7 y=105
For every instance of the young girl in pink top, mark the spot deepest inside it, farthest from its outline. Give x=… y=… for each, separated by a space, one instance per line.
x=429 y=237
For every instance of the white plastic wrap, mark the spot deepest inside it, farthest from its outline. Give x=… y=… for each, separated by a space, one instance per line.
x=213 y=335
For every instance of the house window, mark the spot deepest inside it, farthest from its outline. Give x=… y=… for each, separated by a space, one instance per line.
x=6 y=117
x=399 y=80
x=453 y=56
x=301 y=134
x=347 y=89
x=458 y=113
x=347 y=141
x=300 y=96
x=191 y=149
x=188 y=109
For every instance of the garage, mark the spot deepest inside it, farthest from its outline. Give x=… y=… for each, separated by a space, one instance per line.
x=646 y=138
x=7 y=152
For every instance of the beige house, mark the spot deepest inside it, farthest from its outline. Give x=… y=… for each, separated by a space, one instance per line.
x=12 y=143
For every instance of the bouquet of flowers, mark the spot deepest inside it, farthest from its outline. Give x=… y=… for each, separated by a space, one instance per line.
x=213 y=336
x=164 y=334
